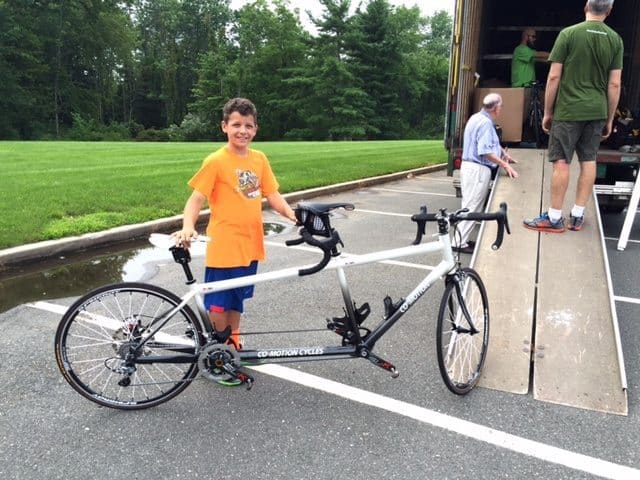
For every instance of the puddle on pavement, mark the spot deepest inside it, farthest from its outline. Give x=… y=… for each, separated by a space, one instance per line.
x=74 y=275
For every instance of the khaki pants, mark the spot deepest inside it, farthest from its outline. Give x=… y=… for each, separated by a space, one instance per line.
x=474 y=183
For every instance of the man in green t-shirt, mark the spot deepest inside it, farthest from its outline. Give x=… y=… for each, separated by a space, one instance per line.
x=523 y=64
x=583 y=89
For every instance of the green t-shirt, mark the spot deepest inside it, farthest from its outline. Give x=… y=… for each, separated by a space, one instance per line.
x=588 y=51
x=523 y=66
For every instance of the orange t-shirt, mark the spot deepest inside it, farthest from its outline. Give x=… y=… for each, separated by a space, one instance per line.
x=234 y=187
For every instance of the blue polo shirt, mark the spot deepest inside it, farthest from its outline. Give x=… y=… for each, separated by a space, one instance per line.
x=480 y=139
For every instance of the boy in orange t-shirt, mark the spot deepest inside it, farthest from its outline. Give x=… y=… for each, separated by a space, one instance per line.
x=233 y=180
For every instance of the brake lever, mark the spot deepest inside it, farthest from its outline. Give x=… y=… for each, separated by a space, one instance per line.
x=506 y=218
x=503 y=223
x=422 y=222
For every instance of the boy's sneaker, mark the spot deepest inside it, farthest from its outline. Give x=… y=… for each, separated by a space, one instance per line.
x=575 y=223
x=236 y=343
x=544 y=224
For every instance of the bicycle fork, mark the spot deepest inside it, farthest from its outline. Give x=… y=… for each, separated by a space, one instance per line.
x=462 y=313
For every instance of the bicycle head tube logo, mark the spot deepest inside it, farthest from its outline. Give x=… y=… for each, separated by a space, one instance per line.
x=290 y=352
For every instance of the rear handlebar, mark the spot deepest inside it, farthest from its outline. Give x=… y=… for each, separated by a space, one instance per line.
x=313 y=219
x=328 y=248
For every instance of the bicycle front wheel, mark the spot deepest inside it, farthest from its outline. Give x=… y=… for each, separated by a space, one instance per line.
x=463 y=331
x=97 y=346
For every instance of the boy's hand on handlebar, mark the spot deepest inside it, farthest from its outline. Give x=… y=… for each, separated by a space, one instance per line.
x=183 y=237
x=291 y=215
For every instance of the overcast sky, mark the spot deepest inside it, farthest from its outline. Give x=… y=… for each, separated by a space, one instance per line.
x=428 y=7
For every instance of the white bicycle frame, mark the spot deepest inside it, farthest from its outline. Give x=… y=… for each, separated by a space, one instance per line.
x=339 y=263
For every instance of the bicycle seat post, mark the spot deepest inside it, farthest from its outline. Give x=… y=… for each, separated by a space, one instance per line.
x=182 y=256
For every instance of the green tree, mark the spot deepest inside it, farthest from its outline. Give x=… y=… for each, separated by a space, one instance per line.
x=20 y=69
x=378 y=73
x=327 y=93
x=60 y=57
x=156 y=102
x=439 y=34
x=203 y=25
x=376 y=59
x=85 y=43
x=265 y=43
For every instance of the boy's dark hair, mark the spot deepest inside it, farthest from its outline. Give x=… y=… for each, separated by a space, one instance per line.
x=241 y=105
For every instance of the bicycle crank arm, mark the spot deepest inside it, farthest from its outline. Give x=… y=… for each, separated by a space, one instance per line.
x=238 y=374
x=246 y=379
x=380 y=362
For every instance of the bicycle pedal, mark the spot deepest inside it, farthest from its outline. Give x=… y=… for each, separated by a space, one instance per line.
x=246 y=379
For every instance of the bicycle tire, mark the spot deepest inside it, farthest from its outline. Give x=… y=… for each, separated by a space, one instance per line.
x=96 y=331
x=536 y=123
x=461 y=353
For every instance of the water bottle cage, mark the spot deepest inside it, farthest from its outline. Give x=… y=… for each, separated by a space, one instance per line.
x=342 y=325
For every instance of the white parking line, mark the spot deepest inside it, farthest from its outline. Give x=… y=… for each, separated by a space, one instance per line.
x=541 y=451
x=428 y=179
x=627 y=300
x=393 y=190
x=465 y=428
x=612 y=239
x=378 y=212
x=49 y=307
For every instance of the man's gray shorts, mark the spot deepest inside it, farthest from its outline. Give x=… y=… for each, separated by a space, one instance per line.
x=581 y=137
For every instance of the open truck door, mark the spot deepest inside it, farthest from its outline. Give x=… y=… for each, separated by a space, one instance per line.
x=485 y=33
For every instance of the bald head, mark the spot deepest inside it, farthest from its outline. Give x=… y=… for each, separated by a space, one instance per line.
x=491 y=102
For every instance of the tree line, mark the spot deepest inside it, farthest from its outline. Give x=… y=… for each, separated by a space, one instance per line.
x=162 y=69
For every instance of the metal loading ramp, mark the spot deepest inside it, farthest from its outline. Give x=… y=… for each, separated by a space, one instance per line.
x=553 y=322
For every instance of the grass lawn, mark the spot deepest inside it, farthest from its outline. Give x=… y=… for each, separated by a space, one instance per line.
x=55 y=189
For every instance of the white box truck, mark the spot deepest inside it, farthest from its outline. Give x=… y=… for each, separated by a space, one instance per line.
x=486 y=32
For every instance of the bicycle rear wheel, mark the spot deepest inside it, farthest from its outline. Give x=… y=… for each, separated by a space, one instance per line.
x=536 y=117
x=462 y=338
x=96 y=341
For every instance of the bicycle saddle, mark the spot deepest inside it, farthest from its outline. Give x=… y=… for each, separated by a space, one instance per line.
x=322 y=208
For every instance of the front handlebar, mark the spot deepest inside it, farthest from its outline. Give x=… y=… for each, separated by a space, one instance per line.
x=314 y=222
x=445 y=219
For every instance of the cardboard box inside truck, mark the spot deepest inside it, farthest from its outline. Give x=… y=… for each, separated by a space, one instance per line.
x=512 y=116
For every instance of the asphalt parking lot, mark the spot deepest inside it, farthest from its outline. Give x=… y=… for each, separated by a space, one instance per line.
x=338 y=419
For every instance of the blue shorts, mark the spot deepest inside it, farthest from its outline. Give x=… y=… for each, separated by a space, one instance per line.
x=228 y=299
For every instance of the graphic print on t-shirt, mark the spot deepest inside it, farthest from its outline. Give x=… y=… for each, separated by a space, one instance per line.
x=248 y=183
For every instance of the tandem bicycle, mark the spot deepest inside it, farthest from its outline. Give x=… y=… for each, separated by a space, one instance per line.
x=136 y=345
